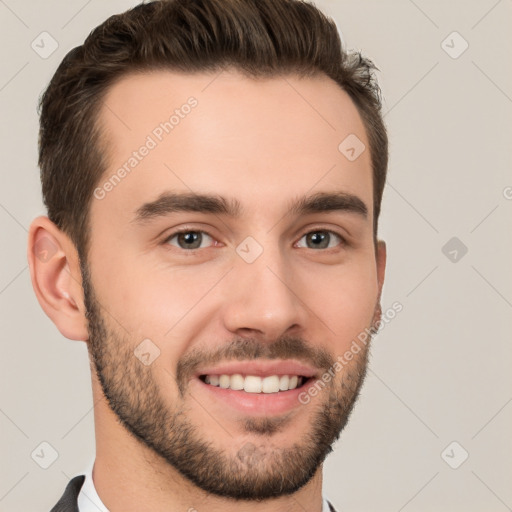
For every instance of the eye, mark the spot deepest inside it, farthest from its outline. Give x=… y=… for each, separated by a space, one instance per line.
x=322 y=238
x=188 y=239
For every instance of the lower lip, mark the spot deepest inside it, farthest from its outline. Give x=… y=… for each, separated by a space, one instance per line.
x=256 y=403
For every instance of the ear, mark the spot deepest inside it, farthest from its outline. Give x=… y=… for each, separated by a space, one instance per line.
x=56 y=278
x=380 y=256
x=381 y=264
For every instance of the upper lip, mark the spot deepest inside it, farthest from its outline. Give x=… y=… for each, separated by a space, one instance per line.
x=260 y=368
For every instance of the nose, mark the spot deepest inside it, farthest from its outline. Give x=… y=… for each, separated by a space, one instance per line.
x=264 y=298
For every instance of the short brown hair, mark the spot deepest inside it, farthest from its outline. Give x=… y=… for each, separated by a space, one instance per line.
x=262 y=38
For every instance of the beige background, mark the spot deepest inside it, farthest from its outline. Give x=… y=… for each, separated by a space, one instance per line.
x=440 y=371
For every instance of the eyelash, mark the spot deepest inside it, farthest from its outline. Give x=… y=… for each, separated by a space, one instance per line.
x=343 y=241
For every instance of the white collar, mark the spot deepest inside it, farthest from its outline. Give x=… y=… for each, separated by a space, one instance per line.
x=89 y=501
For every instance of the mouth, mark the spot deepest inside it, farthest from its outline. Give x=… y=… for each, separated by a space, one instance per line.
x=256 y=387
x=255 y=383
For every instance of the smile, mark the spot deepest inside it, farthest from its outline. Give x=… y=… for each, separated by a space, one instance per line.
x=255 y=383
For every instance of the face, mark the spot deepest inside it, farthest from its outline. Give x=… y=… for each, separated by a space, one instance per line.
x=231 y=264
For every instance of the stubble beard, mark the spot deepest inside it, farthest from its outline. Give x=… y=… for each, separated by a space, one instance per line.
x=256 y=470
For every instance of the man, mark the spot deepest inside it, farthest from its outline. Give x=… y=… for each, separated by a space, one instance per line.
x=213 y=172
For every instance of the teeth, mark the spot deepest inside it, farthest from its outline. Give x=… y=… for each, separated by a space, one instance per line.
x=224 y=381
x=283 y=383
x=270 y=384
x=255 y=384
x=252 y=384
x=237 y=382
x=214 y=380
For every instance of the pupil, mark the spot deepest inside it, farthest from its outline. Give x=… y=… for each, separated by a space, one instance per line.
x=318 y=238
x=189 y=238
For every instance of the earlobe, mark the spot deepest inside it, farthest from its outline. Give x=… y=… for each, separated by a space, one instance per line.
x=56 y=279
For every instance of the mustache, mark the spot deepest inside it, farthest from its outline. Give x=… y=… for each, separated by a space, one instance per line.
x=240 y=349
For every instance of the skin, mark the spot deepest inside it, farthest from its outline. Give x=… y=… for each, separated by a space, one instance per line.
x=261 y=142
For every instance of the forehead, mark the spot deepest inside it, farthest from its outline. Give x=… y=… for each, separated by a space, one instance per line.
x=261 y=140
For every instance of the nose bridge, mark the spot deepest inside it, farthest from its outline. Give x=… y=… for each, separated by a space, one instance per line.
x=262 y=295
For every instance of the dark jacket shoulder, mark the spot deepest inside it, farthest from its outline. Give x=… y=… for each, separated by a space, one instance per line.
x=69 y=500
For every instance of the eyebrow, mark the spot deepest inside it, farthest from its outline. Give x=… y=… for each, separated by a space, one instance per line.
x=172 y=202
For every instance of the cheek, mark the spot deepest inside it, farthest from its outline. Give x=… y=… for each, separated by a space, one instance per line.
x=344 y=300
x=172 y=305
x=146 y=301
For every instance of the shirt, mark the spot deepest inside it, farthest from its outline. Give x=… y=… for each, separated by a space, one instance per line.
x=89 y=501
